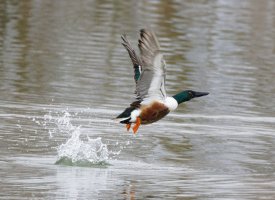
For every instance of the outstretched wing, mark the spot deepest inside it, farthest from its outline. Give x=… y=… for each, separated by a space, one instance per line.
x=134 y=57
x=151 y=84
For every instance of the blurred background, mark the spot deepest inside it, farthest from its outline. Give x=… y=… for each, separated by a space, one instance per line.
x=62 y=65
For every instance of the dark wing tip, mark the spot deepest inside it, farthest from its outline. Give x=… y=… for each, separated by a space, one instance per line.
x=144 y=32
x=124 y=38
x=124 y=44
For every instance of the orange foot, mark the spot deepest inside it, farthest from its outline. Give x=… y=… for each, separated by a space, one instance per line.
x=136 y=126
x=128 y=126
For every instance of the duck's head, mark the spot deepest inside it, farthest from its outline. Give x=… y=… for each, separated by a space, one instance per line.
x=187 y=95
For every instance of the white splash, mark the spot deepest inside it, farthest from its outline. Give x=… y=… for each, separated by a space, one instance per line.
x=79 y=149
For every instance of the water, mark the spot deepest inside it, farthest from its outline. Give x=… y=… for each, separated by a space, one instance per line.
x=64 y=75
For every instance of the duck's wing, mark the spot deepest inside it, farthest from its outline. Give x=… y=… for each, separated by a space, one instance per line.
x=151 y=84
x=134 y=57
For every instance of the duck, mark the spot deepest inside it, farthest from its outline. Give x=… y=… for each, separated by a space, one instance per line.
x=152 y=102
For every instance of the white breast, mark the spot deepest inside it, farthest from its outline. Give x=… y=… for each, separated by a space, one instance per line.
x=171 y=103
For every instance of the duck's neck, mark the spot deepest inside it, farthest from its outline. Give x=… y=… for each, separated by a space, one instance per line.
x=182 y=97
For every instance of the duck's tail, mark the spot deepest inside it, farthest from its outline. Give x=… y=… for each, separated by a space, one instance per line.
x=125 y=116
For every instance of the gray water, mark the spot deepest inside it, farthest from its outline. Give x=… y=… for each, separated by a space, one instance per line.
x=64 y=72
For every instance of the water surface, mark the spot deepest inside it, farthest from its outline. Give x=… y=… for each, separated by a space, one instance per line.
x=64 y=73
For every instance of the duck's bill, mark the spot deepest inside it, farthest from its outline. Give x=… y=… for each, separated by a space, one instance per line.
x=200 y=94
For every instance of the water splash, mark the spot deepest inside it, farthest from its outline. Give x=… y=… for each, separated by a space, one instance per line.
x=82 y=152
x=79 y=149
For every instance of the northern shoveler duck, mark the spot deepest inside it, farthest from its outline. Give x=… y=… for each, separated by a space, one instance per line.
x=151 y=103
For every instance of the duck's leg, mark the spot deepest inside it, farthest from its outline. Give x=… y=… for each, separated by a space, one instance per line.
x=128 y=126
x=136 y=126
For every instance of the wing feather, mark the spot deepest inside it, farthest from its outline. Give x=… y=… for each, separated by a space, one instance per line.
x=151 y=85
x=134 y=57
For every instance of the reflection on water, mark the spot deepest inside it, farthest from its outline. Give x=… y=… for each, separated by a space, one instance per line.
x=66 y=55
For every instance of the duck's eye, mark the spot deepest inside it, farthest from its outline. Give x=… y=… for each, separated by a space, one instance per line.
x=191 y=94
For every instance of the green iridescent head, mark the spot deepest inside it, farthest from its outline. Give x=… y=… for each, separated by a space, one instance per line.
x=187 y=95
